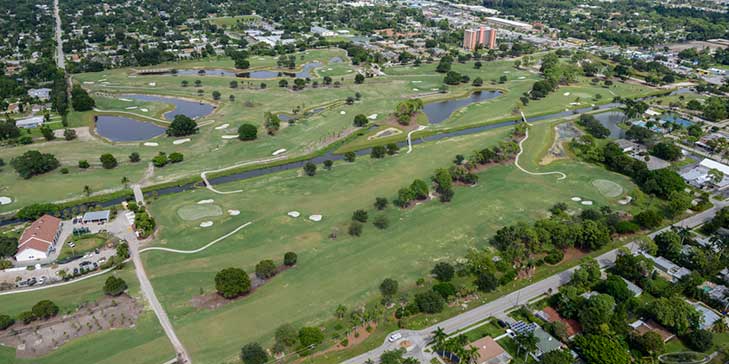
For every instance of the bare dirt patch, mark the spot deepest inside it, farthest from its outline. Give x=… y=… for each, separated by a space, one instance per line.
x=42 y=337
x=564 y=133
x=213 y=300
x=354 y=338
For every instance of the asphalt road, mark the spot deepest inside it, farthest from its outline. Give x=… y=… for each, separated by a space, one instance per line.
x=60 y=57
x=501 y=305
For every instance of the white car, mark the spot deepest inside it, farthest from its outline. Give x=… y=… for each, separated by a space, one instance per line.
x=71 y=244
x=394 y=337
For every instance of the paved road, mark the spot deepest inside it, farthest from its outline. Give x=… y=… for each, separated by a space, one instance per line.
x=500 y=306
x=60 y=57
x=128 y=234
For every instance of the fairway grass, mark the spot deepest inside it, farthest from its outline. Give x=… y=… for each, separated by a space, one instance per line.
x=345 y=270
x=608 y=188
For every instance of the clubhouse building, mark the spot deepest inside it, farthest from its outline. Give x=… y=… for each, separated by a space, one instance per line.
x=39 y=239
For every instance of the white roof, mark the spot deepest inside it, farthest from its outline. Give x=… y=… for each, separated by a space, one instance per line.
x=30 y=121
x=708 y=163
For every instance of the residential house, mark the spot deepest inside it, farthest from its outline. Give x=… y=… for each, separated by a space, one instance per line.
x=551 y=315
x=700 y=175
x=29 y=123
x=672 y=271
x=39 y=239
x=41 y=93
x=490 y=352
x=642 y=327
x=545 y=343
x=710 y=316
x=96 y=216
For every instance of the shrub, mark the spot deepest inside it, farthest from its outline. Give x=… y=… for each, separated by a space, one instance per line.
x=699 y=340
x=6 y=321
x=310 y=336
x=429 y=302
x=26 y=317
x=231 y=282
x=443 y=271
x=176 y=157
x=554 y=256
x=355 y=228
x=114 y=286
x=360 y=215
x=445 y=289
x=290 y=258
x=44 y=309
x=83 y=164
x=360 y=120
x=266 y=269
x=253 y=353
x=626 y=227
x=108 y=161
x=381 y=222
x=378 y=152
x=310 y=169
x=247 y=132
x=380 y=203
x=350 y=156
x=134 y=157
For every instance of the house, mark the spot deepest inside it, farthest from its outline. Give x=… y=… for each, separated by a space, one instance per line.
x=717 y=292
x=642 y=327
x=545 y=343
x=672 y=270
x=490 y=352
x=700 y=176
x=31 y=122
x=709 y=315
x=626 y=145
x=39 y=239
x=324 y=32
x=41 y=93
x=551 y=315
x=637 y=291
x=724 y=274
x=96 y=216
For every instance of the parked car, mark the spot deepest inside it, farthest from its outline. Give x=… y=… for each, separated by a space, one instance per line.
x=71 y=244
x=394 y=337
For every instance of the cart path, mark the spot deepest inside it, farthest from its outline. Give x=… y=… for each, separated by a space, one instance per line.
x=521 y=150
x=239 y=228
x=204 y=175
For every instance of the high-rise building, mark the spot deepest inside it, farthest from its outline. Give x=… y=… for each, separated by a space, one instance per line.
x=470 y=38
x=483 y=36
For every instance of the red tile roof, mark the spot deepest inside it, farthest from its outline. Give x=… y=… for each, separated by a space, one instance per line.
x=573 y=327
x=40 y=234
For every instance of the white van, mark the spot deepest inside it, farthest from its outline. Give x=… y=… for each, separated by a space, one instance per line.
x=394 y=337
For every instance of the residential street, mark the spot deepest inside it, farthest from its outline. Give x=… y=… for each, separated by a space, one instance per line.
x=60 y=57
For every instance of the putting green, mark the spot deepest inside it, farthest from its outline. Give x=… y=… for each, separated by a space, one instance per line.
x=198 y=211
x=608 y=188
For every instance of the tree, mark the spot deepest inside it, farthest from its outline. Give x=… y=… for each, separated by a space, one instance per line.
x=452 y=78
x=69 y=134
x=290 y=259
x=33 y=162
x=122 y=251
x=44 y=309
x=678 y=203
x=526 y=341
x=310 y=169
x=160 y=160
x=649 y=218
x=597 y=349
x=80 y=99
x=310 y=336
x=232 y=282
x=134 y=157
x=350 y=156
x=380 y=203
x=360 y=120
x=445 y=289
x=381 y=222
x=266 y=269
x=108 y=161
x=675 y=313
x=6 y=321
x=272 y=122
x=8 y=246
x=328 y=164
x=486 y=281
x=388 y=287
x=557 y=357
x=253 y=353
x=669 y=244
x=359 y=79
x=649 y=343
x=378 y=151
x=699 y=340
x=616 y=287
x=429 y=302
x=392 y=148
x=286 y=335
x=443 y=271
x=182 y=126
x=216 y=95
x=594 y=235
x=477 y=82
x=419 y=189
x=359 y=215
x=595 y=312
x=47 y=132
x=114 y=286
x=247 y=132
x=355 y=228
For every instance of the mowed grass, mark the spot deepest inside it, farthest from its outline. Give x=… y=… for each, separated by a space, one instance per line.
x=344 y=270
x=144 y=343
x=207 y=150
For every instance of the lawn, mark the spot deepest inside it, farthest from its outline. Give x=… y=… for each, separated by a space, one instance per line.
x=83 y=244
x=208 y=150
x=145 y=343
x=344 y=270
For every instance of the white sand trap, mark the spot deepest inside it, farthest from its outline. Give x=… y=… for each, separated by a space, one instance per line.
x=102 y=80
x=203 y=202
x=587 y=203
x=233 y=212
x=144 y=110
x=566 y=94
x=229 y=136
x=279 y=151
x=417 y=81
x=342 y=112
x=131 y=107
x=152 y=84
x=372 y=117
x=330 y=69
x=151 y=144
x=434 y=89
x=220 y=127
x=88 y=82
x=294 y=214
x=507 y=72
x=126 y=100
x=4 y=200
x=415 y=89
x=348 y=71
x=206 y=224
x=522 y=77
x=626 y=200
x=576 y=199
x=181 y=141
x=316 y=218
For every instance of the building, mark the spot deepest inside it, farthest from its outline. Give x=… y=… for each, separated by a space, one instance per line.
x=551 y=315
x=29 y=123
x=96 y=216
x=39 y=239
x=545 y=343
x=508 y=24
x=324 y=32
x=672 y=270
x=483 y=36
x=637 y=291
x=490 y=352
x=41 y=93
x=709 y=315
x=642 y=327
x=701 y=175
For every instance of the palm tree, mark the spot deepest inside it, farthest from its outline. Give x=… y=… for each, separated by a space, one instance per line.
x=526 y=341
x=439 y=338
x=340 y=311
x=470 y=354
x=87 y=190
x=124 y=181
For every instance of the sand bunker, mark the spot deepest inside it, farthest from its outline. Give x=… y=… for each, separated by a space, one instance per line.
x=316 y=218
x=151 y=144
x=294 y=214
x=203 y=202
x=415 y=89
x=126 y=100
x=229 y=136
x=197 y=212
x=566 y=94
x=385 y=133
x=587 y=203
x=576 y=199
x=233 y=212
x=279 y=151
x=372 y=117
x=131 y=108
x=4 y=200
x=152 y=84
x=181 y=141
x=342 y=112
x=143 y=109
x=222 y=126
x=206 y=224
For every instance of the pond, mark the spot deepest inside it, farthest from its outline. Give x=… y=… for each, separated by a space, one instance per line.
x=439 y=111
x=206 y=72
x=610 y=120
x=122 y=129
x=191 y=109
x=304 y=73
